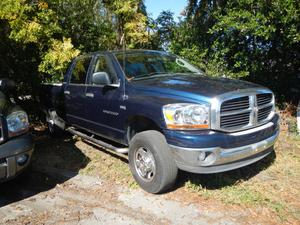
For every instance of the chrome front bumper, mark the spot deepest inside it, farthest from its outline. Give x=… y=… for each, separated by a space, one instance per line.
x=213 y=160
x=15 y=156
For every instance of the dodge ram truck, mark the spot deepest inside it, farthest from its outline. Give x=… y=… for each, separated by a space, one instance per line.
x=163 y=112
x=16 y=144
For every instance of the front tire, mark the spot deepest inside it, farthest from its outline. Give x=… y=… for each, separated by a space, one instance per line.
x=151 y=162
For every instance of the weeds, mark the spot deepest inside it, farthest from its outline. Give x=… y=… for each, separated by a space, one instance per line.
x=272 y=183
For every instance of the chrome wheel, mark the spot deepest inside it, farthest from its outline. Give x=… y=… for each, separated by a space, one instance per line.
x=145 y=164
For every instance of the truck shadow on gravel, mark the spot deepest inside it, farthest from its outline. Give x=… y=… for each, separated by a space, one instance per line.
x=50 y=155
x=53 y=156
x=224 y=179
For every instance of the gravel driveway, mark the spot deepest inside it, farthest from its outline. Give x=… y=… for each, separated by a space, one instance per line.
x=54 y=196
x=72 y=182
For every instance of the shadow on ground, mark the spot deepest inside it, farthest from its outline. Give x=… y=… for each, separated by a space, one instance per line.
x=61 y=154
x=50 y=154
x=209 y=181
x=229 y=178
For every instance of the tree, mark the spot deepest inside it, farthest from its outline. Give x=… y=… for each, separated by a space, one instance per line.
x=255 y=40
x=165 y=26
x=130 y=21
x=86 y=22
x=34 y=27
x=261 y=38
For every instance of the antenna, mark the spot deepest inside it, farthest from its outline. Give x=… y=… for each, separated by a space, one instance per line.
x=123 y=41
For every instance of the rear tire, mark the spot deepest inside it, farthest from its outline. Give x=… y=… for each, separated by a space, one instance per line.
x=151 y=162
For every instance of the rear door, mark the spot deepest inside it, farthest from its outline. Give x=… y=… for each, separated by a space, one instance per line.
x=75 y=92
x=103 y=102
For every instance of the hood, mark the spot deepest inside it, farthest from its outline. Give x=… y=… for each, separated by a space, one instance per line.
x=196 y=84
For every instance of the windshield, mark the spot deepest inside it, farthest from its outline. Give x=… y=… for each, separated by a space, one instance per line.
x=148 y=64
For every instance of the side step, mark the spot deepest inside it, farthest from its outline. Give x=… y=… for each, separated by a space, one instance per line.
x=97 y=141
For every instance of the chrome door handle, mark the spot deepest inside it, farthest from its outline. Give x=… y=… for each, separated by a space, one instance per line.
x=67 y=92
x=91 y=95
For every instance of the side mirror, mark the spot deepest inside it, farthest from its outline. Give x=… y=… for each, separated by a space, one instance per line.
x=7 y=85
x=100 y=78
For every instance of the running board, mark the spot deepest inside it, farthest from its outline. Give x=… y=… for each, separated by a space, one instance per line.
x=96 y=141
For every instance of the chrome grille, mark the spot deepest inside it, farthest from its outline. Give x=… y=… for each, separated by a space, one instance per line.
x=235 y=104
x=248 y=109
x=240 y=119
x=263 y=99
x=264 y=113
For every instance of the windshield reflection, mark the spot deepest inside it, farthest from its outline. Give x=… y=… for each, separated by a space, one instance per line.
x=139 y=65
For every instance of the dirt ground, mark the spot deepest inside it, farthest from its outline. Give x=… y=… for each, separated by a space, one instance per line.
x=87 y=200
x=73 y=182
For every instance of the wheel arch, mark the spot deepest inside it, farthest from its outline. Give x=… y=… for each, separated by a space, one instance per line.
x=138 y=123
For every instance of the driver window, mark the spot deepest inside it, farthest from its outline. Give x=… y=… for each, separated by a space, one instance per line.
x=101 y=65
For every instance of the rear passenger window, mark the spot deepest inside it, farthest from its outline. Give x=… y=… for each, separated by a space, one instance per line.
x=80 y=71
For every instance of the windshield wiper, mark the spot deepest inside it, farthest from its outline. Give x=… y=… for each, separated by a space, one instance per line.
x=148 y=75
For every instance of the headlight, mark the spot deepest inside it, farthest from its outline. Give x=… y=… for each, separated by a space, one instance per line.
x=187 y=116
x=17 y=123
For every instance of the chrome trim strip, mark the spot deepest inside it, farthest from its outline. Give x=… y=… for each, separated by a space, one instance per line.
x=53 y=84
x=265 y=105
x=236 y=112
x=1 y=129
x=90 y=95
x=239 y=133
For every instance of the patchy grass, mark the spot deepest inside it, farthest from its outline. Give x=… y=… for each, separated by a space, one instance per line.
x=106 y=163
x=271 y=184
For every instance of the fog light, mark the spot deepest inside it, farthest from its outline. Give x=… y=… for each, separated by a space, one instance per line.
x=202 y=156
x=22 y=159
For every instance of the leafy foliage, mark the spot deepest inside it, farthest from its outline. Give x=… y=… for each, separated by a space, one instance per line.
x=130 y=21
x=255 y=40
x=86 y=22
x=165 y=28
x=56 y=59
x=52 y=32
x=34 y=26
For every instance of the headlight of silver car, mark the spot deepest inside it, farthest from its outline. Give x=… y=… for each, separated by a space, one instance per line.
x=187 y=116
x=17 y=123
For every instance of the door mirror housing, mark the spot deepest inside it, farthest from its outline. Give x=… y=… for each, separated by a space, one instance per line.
x=7 y=85
x=116 y=85
x=100 y=78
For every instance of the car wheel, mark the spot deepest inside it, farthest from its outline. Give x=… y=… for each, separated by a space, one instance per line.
x=151 y=162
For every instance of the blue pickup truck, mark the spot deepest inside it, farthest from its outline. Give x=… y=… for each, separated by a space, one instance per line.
x=163 y=112
x=16 y=143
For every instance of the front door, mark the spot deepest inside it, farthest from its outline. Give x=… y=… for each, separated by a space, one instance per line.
x=75 y=92
x=103 y=102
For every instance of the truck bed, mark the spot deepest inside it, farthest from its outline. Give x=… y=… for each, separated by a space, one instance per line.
x=51 y=96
